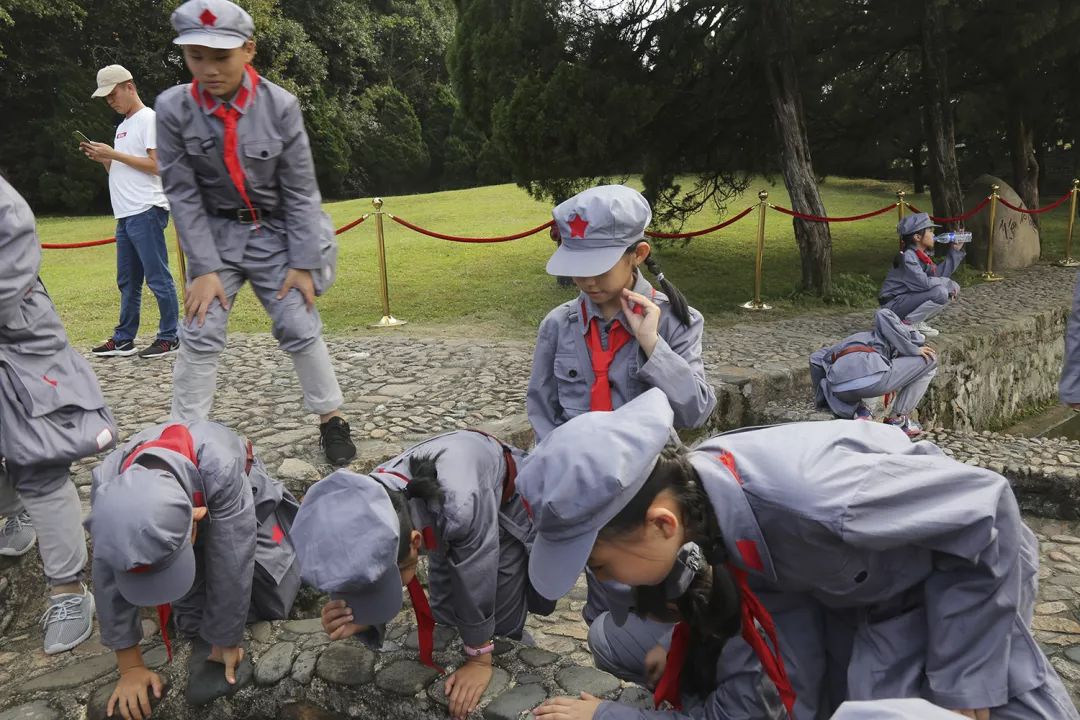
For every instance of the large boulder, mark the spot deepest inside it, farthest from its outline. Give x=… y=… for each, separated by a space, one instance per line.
x=1016 y=238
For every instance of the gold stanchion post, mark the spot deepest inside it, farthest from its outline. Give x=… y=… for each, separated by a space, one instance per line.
x=181 y=261
x=387 y=320
x=756 y=303
x=900 y=205
x=990 y=275
x=1068 y=260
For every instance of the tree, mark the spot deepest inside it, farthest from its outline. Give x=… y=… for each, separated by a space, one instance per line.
x=392 y=147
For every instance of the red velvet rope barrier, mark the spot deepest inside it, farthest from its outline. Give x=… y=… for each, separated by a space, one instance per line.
x=958 y=218
x=1037 y=211
x=90 y=243
x=706 y=231
x=821 y=218
x=109 y=241
x=458 y=238
x=350 y=226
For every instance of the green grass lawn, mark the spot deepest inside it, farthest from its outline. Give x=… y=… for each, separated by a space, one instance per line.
x=502 y=289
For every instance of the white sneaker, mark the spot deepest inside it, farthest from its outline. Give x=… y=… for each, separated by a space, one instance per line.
x=68 y=621
x=17 y=536
x=926 y=329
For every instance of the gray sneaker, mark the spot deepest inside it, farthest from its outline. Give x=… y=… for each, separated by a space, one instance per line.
x=68 y=621
x=17 y=536
x=927 y=330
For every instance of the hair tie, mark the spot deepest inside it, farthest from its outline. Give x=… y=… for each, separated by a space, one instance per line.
x=660 y=277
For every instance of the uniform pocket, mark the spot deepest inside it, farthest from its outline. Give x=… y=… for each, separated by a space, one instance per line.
x=572 y=384
x=261 y=161
x=200 y=152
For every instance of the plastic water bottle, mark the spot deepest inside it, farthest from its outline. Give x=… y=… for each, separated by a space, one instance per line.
x=959 y=237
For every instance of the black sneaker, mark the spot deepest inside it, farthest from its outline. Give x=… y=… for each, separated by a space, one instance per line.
x=160 y=348
x=335 y=441
x=111 y=348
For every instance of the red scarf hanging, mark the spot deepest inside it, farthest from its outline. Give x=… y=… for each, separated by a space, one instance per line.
x=926 y=260
x=230 y=116
x=425 y=620
x=753 y=614
x=176 y=438
x=600 y=395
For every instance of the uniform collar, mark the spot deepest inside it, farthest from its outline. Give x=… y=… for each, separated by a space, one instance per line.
x=242 y=101
x=592 y=310
x=743 y=538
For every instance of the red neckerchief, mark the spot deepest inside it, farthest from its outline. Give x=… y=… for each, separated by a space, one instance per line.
x=176 y=438
x=230 y=116
x=425 y=620
x=600 y=395
x=753 y=615
x=926 y=260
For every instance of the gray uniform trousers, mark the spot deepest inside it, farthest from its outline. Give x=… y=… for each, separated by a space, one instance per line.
x=909 y=377
x=297 y=330
x=919 y=307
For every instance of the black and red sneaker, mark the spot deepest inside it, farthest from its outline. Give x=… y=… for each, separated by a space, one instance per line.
x=112 y=348
x=160 y=348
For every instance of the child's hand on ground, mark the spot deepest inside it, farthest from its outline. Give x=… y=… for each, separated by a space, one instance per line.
x=131 y=697
x=337 y=621
x=567 y=708
x=467 y=684
x=301 y=280
x=202 y=291
x=643 y=317
x=974 y=714
x=230 y=657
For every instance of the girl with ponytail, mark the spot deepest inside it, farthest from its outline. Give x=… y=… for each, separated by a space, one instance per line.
x=811 y=563
x=452 y=499
x=620 y=336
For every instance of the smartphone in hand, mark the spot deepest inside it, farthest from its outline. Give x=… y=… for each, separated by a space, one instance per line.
x=80 y=137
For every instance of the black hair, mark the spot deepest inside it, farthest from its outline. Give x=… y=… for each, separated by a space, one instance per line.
x=906 y=243
x=424 y=485
x=712 y=605
x=679 y=306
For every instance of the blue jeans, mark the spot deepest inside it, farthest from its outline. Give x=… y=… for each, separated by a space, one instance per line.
x=141 y=253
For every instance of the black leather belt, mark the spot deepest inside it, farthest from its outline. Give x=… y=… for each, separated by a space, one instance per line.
x=245 y=216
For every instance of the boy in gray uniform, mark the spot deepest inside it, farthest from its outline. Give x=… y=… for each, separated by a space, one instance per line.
x=237 y=169
x=51 y=414
x=892 y=358
x=185 y=517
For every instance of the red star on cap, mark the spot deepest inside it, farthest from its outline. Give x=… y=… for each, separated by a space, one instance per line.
x=577 y=227
x=207 y=17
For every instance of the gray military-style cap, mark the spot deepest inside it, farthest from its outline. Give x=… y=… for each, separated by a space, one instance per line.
x=212 y=23
x=581 y=476
x=595 y=229
x=911 y=224
x=346 y=537
x=140 y=524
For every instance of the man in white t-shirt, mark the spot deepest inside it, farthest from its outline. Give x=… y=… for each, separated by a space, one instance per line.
x=142 y=214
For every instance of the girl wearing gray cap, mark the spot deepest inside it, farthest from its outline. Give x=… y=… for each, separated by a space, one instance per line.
x=452 y=498
x=876 y=568
x=917 y=288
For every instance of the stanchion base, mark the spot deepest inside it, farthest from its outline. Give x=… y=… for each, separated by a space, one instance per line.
x=992 y=277
x=1068 y=262
x=751 y=305
x=389 y=321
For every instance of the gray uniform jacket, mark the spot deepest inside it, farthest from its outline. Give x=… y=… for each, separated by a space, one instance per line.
x=478 y=568
x=890 y=338
x=248 y=518
x=924 y=559
x=914 y=275
x=562 y=375
x=1069 y=387
x=276 y=157
x=52 y=411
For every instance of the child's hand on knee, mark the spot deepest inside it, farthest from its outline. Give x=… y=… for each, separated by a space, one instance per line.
x=302 y=281
x=202 y=291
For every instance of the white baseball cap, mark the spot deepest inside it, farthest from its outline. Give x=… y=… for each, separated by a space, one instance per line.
x=109 y=77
